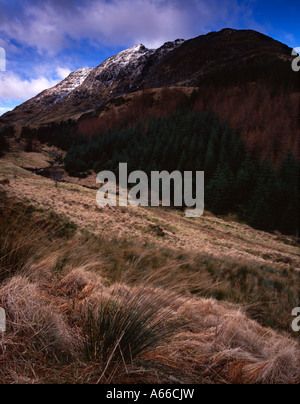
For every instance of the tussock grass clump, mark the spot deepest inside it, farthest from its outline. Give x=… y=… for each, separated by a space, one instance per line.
x=26 y=235
x=38 y=339
x=19 y=238
x=121 y=328
x=76 y=281
x=262 y=356
x=266 y=293
x=31 y=314
x=221 y=345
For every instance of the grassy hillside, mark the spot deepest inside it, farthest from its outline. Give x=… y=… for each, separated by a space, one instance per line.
x=205 y=301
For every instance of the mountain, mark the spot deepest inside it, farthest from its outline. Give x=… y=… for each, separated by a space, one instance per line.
x=242 y=75
x=204 y=301
x=86 y=89
x=179 y=63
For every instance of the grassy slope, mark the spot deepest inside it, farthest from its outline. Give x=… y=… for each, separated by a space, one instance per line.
x=123 y=248
x=210 y=235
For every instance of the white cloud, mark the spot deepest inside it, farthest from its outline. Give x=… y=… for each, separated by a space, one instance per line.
x=52 y=25
x=13 y=87
x=63 y=72
x=5 y=109
x=14 y=90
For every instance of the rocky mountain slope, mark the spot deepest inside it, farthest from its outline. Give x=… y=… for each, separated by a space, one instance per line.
x=87 y=88
x=178 y=63
x=56 y=94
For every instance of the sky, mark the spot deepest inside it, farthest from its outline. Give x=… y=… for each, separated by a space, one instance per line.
x=45 y=40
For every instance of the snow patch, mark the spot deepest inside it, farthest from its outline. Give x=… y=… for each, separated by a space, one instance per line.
x=123 y=67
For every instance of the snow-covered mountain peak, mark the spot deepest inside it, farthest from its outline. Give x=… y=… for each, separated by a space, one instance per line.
x=169 y=46
x=65 y=87
x=118 y=74
x=136 y=53
x=74 y=79
x=128 y=63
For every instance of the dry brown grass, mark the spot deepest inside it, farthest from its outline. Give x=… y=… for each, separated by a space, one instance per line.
x=61 y=272
x=221 y=345
x=31 y=313
x=209 y=235
x=217 y=344
x=37 y=333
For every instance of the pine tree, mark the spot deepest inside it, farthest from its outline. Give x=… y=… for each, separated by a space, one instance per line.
x=288 y=201
x=260 y=215
x=218 y=192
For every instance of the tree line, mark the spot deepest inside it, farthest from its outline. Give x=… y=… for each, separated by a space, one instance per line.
x=237 y=181
x=5 y=134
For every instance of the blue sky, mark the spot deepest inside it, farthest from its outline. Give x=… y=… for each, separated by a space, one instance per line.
x=45 y=40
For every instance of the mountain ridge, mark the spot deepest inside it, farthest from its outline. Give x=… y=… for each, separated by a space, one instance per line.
x=86 y=82
x=178 y=63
